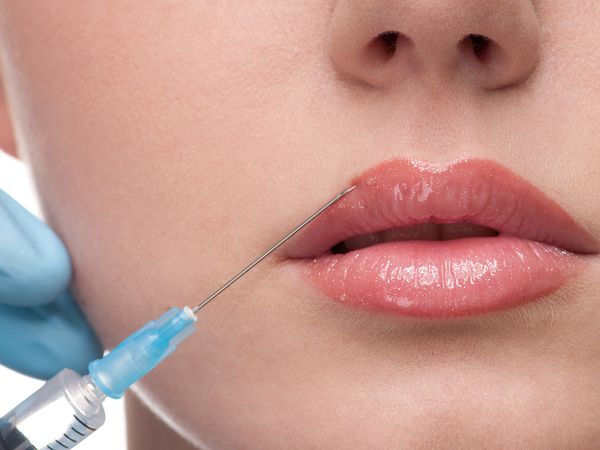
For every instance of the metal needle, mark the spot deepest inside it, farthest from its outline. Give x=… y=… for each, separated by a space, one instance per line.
x=275 y=246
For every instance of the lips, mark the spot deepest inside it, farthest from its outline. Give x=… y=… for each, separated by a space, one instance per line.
x=440 y=240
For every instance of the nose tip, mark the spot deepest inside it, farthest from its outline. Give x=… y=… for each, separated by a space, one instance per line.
x=486 y=44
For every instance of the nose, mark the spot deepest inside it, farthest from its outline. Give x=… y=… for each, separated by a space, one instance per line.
x=487 y=44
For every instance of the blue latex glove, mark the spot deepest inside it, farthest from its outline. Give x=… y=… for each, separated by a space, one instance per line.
x=42 y=330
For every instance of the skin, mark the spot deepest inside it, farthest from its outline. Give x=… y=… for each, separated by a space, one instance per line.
x=172 y=143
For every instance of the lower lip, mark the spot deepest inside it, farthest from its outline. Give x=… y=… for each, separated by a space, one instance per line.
x=442 y=279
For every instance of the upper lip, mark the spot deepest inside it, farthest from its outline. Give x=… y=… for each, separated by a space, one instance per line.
x=402 y=192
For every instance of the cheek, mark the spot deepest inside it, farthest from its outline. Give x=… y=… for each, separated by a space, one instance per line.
x=144 y=173
x=150 y=203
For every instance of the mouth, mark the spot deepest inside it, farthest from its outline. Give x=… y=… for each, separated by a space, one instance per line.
x=441 y=240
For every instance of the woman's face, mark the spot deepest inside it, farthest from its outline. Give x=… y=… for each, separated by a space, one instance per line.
x=172 y=143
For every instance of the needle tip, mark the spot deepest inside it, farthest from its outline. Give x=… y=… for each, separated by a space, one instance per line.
x=347 y=190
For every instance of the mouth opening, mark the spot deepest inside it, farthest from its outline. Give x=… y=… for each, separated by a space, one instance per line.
x=425 y=232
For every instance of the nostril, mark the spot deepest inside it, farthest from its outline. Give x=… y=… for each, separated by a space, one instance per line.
x=388 y=41
x=384 y=46
x=478 y=45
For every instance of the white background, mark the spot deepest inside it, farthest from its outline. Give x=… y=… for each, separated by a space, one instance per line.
x=14 y=388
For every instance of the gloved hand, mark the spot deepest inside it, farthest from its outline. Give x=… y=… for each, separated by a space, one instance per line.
x=42 y=330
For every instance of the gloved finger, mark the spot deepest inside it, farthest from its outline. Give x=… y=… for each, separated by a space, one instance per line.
x=34 y=264
x=40 y=341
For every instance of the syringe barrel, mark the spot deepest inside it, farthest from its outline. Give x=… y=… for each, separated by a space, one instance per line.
x=78 y=400
x=67 y=397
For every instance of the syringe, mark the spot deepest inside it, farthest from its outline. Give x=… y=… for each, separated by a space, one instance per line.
x=77 y=400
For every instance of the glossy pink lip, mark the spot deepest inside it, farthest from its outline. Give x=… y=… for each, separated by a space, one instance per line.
x=539 y=246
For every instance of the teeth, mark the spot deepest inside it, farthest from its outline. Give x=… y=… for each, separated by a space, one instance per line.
x=425 y=231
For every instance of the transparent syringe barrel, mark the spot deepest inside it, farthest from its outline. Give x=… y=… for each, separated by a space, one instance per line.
x=68 y=398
